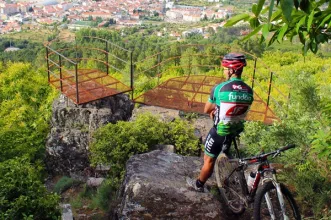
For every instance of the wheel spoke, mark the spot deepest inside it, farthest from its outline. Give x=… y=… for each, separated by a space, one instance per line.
x=268 y=206
x=229 y=184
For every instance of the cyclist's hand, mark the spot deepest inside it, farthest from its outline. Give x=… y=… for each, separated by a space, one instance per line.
x=212 y=114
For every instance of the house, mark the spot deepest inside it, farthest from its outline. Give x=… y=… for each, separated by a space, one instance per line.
x=10 y=49
x=174 y=15
x=9 y=9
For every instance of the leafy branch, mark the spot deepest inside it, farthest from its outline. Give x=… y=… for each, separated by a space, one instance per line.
x=284 y=19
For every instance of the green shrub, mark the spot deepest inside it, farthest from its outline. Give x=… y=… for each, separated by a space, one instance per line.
x=105 y=194
x=311 y=186
x=64 y=183
x=23 y=195
x=114 y=144
x=181 y=134
x=25 y=109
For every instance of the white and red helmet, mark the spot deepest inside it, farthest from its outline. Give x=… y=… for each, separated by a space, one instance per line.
x=234 y=61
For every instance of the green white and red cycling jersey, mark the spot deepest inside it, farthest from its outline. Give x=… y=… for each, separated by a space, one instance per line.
x=233 y=99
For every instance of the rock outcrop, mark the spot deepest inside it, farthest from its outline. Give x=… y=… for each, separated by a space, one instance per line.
x=72 y=128
x=155 y=188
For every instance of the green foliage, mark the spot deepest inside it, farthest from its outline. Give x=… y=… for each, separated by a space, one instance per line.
x=305 y=122
x=106 y=193
x=321 y=144
x=114 y=144
x=181 y=134
x=27 y=53
x=25 y=109
x=310 y=20
x=22 y=195
x=311 y=185
x=64 y=183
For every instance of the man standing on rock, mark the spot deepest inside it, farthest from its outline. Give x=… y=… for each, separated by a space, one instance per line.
x=227 y=105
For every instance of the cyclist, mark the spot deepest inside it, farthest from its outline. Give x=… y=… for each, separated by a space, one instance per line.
x=227 y=105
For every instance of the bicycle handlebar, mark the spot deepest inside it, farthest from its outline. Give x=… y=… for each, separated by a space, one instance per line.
x=287 y=147
x=263 y=156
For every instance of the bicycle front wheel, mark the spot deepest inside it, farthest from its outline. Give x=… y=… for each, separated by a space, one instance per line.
x=267 y=206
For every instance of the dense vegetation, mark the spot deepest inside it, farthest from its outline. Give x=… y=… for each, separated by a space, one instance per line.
x=28 y=51
x=114 y=144
x=25 y=100
x=25 y=109
x=306 y=122
x=310 y=20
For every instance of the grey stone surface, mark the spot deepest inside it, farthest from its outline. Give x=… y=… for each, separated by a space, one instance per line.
x=165 y=147
x=66 y=212
x=72 y=127
x=164 y=113
x=155 y=186
x=94 y=182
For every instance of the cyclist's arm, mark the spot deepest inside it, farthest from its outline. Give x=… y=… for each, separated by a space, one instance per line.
x=210 y=104
x=209 y=108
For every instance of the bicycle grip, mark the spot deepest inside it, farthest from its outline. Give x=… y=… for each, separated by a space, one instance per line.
x=287 y=147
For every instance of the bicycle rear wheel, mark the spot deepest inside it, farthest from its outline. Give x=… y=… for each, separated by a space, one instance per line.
x=268 y=192
x=230 y=187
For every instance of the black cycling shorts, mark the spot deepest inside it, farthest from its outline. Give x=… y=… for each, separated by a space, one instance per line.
x=215 y=144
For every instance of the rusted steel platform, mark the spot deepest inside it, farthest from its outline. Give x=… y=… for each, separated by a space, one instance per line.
x=190 y=93
x=89 y=85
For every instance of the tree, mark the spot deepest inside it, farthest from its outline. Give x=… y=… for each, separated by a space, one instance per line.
x=211 y=31
x=23 y=195
x=25 y=100
x=99 y=20
x=310 y=20
x=65 y=19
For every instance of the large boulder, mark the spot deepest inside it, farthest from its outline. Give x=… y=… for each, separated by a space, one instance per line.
x=155 y=188
x=72 y=127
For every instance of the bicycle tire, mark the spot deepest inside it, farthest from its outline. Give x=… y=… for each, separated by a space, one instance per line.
x=229 y=193
x=261 y=211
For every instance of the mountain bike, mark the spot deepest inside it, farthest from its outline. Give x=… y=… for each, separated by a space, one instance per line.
x=270 y=198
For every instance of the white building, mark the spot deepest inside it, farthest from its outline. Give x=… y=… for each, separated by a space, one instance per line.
x=174 y=15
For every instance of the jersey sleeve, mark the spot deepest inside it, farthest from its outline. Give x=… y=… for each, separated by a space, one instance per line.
x=211 y=98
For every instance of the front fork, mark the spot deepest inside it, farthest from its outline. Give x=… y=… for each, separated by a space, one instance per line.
x=279 y=196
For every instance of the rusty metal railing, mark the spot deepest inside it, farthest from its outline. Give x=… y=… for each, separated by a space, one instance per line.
x=85 y=78
x=180 y=77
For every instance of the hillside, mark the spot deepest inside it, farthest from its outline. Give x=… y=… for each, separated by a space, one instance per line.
x=26 y=109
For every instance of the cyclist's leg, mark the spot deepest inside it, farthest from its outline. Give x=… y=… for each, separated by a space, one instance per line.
x=207 y=168
x=214 y=143
x=209 y=157
x=212 y=150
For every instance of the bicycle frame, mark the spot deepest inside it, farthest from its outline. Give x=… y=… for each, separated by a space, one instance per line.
x=263 y=167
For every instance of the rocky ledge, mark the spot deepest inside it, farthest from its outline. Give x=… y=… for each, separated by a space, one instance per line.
x=155 y=188
x=72 y=128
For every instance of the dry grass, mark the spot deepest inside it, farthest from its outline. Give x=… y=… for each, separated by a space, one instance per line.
x=31 y=35
x=39 y=35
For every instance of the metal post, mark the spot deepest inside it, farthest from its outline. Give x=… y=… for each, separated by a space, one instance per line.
x=189 y=65
x=254 y=72
x=76 y=49
x=158 y=68
x=271 y=74
x=77 y=91
x=107 y=58
x=49 y=77
x=60 y=64
x=131 y=74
